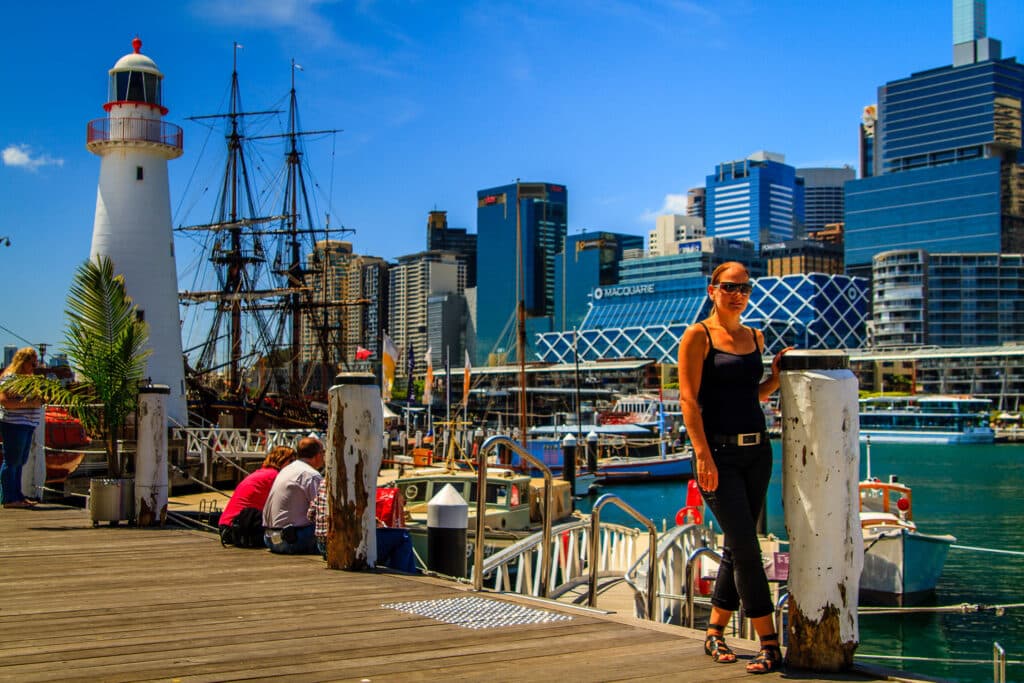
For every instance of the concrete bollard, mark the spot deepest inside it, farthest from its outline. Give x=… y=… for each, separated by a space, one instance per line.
x=151 y=456
x=447 y=521
x=354 y=447
x=33 y=474
x=569 y=467
x=820 y=467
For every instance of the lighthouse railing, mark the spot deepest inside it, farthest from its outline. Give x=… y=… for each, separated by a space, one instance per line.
x=135 y=129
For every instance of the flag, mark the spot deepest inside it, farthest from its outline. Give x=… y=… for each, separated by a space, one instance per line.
x=410 y=363
x=428 y=382
x=388 y=362
x=362 y=354
x=465 y=381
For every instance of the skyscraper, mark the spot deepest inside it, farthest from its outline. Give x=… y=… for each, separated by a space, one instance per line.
x=442 y=238
x=947 y=149
x=541 y=212
x=823 y=195
x=759 y=199
x=413 y=280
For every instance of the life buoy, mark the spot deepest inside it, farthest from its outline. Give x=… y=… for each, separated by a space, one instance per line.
x=690 y=514
x=410 y=492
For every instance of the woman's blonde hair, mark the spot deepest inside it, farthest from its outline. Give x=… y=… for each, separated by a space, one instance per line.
x=716 y=274
x=279 y=457
x=20 y=356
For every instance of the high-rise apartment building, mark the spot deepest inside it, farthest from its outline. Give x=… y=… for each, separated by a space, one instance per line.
x=670 y=230
x=519 y=222
x=759 y=199
x=947 y=157
x=695 y=202
x=458 y=240
x=823 y=195
x=413 y=280
x=947 y=299
x=348 y=303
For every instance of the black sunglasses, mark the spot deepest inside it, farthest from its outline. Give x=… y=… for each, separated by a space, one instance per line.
x=733 y=287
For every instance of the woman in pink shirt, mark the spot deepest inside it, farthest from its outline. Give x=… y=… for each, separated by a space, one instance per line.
x=252 y=492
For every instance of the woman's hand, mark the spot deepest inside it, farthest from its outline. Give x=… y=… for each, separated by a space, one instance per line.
x=706 y=472
x=778 y=358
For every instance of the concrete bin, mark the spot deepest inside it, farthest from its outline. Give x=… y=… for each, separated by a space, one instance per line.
x=111 y=500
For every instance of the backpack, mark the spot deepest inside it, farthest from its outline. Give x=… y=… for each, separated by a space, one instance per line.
x=245 y=530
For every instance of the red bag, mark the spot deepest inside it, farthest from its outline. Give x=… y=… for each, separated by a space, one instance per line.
x=390 y=507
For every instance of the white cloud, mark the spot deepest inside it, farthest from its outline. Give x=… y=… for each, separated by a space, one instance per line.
x=303 y=16
x=20 y=156
x=674 y=203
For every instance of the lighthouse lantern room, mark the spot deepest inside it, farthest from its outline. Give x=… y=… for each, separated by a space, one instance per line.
x=132 y=225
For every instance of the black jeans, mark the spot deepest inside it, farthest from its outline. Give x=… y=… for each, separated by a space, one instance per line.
x=743 y=475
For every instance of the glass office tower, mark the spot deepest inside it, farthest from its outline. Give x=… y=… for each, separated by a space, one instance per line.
x=542 y=212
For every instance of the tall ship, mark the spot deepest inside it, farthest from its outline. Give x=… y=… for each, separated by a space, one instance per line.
x=926 y=418
x=262 y=329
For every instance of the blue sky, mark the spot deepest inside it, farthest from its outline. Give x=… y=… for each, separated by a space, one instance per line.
x=628 y=104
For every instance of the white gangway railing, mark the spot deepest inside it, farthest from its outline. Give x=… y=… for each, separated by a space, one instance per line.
x=517 y=569
x=675 y=549
x=233 y=446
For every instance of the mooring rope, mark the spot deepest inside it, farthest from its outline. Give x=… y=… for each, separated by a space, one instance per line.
x=1017 y=553
x=909 y=658
x=962 y=608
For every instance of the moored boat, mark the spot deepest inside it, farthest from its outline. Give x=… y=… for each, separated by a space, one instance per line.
x=930 y=419
x=902 y=565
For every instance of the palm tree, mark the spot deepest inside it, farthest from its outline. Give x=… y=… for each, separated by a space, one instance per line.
x=106 y=345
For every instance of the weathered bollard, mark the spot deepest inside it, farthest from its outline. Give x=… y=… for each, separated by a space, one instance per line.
x=447 y=520
x=33 y=474
x=151 y=456
x=820 y=466
x=569 y=467
x=355 y=448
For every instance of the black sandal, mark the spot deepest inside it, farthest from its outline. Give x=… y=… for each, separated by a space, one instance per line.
x=769 y=659
x=715 y=647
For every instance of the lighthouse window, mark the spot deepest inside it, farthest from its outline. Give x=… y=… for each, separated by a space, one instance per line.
x=136 y=86
x=138 y=173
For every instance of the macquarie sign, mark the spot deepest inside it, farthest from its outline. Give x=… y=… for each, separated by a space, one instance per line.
x=623 y=290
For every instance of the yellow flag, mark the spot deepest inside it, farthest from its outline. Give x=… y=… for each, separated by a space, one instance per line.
x=428 y=383
x=389 y=360
x=465 y=381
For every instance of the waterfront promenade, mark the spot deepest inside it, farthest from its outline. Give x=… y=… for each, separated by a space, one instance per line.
x=129 y=604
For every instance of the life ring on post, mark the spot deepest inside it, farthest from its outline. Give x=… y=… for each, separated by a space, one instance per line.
x=690 y=514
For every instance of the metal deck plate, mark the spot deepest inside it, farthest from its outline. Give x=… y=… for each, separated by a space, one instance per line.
x=478 y=612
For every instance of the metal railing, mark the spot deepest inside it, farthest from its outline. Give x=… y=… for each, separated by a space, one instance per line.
x=134 y=130
x=652 y=531
x=691 y=563
x=518 y=568
x=486 y=448
x=674 y=549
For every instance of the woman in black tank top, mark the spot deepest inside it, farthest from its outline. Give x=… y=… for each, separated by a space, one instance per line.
x=721 y=390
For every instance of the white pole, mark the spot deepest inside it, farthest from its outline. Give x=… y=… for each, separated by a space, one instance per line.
x=33 y=474
x=820 y=466
x=151 y=456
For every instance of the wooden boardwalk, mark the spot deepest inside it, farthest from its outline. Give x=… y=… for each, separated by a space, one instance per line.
x=128 y=604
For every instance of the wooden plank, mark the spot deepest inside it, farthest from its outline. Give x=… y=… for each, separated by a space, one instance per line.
x=84 y=603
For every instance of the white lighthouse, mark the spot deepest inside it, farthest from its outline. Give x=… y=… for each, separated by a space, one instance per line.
x=133 y=210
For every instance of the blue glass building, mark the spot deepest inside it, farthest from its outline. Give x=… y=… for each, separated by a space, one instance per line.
x=947 y=155
x=542 y=214
x=590 y=259
x=760 y=199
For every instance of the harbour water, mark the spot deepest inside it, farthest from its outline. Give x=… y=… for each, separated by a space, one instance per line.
x=975 y=493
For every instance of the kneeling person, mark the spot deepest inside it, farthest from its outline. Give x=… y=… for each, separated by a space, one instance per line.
x=286 y=528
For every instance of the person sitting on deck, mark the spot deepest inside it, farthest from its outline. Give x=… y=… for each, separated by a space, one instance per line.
x=241 y=523
x=286 y=528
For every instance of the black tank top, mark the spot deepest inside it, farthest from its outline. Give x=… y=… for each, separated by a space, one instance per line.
x=728 y=398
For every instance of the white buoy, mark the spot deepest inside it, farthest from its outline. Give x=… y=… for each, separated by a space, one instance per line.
x=151 y=457
x=355 y=448
x=132 y=226
x=820 y=465
x=447 y=521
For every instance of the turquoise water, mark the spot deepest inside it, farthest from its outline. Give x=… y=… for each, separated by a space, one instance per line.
x=975 y=493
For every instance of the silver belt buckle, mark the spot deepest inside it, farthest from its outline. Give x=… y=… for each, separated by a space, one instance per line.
x=751 y=439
